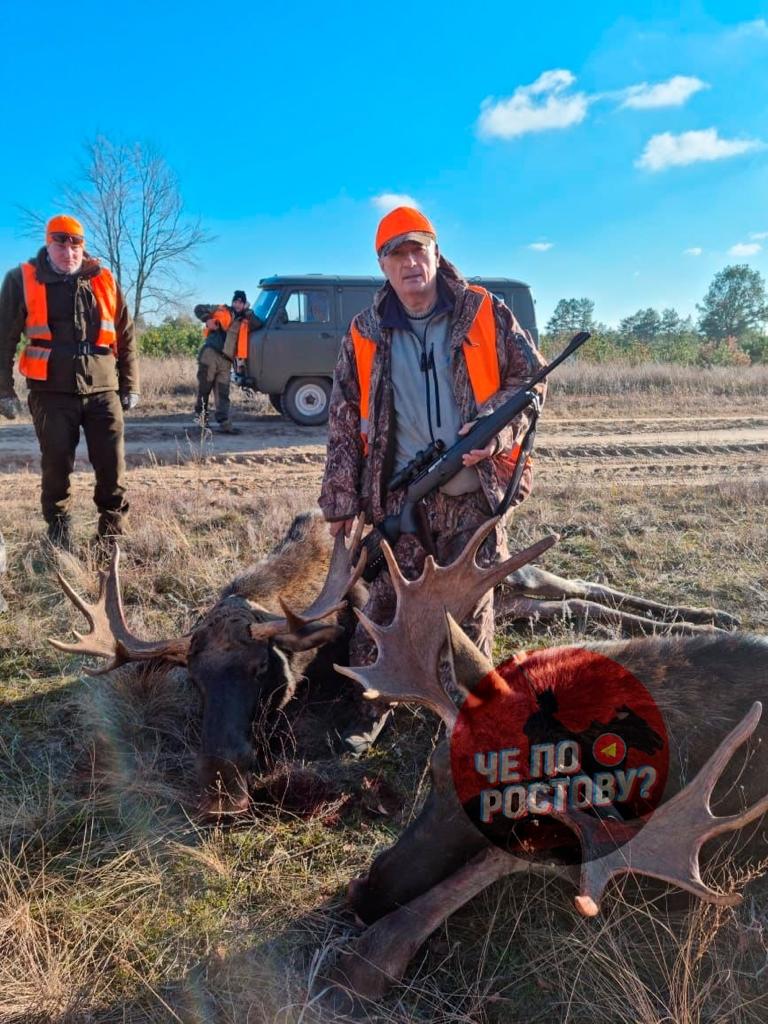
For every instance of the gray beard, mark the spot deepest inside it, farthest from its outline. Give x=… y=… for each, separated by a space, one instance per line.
x=61 y=273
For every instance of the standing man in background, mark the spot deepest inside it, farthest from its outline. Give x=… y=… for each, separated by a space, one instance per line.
x=226 y=339
x=81 y=366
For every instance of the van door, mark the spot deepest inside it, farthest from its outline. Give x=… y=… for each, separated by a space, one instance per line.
x=354 y=300
x=303 y=337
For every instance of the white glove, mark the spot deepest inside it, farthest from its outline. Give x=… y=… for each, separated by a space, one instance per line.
x=129 y=401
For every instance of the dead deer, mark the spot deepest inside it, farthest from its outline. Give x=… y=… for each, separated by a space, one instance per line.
x=245 y=657
x=708 y=689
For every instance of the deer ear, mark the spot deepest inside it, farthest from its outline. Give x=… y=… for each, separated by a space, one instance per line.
x=314 y=634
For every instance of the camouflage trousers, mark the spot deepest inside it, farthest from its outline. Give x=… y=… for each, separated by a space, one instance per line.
x=452 y=521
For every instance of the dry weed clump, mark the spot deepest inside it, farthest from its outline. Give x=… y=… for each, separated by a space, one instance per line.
x=116 y=905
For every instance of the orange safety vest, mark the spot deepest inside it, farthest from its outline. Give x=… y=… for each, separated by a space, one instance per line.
x=243 y=333
x=479 y=352
x=33 y=361
x=222 y=314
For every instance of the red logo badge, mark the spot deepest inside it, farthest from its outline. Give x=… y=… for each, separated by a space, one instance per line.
x=555 y=733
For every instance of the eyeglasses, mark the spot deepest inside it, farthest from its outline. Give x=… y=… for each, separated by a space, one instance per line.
x=63 y=238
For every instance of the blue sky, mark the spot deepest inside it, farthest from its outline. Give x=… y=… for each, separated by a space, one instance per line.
x=619 y=153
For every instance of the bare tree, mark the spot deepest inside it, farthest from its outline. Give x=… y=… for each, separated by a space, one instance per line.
x=129 y=201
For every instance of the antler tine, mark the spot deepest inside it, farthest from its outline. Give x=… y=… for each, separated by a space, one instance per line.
x=408 y=670
x=476 y=580
x=399 y=583
x=109 y=636
x=407 y=665
x=343 y=574
x=686 y=816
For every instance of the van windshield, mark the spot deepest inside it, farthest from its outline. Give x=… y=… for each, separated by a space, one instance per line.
x=265 y=302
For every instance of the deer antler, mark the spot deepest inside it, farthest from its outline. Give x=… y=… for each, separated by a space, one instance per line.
x=109 y=636
x=343 y=573
x=409 y=648
x=667 y=843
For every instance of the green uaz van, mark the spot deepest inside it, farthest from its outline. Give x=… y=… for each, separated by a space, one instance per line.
x=292 y=357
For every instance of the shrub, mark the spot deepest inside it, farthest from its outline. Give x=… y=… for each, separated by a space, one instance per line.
x=756 y=346
x=172 y=338
x=724 y=353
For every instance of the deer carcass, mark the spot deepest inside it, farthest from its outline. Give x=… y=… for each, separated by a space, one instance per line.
x=245 y=658
x=707 y=688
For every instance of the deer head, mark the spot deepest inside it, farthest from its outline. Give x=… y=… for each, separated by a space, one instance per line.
x=240 y=656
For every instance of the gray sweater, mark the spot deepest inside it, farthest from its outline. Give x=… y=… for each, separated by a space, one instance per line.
x=425 y=406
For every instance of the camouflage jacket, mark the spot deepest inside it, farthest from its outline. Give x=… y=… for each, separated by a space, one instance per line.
x=353 y=482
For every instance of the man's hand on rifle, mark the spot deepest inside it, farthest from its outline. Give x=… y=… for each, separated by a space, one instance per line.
x=478 y=454
x=345 y=524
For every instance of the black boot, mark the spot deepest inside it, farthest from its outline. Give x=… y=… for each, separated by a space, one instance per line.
x=60 y=533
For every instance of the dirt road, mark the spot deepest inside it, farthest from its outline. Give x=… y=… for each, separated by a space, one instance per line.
x=619 y=450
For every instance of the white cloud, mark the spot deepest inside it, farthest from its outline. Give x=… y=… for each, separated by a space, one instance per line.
x=540 y=246
x=758 y=28
x=745 y=249
x=672 y=93
x=542 y=106
x=758 y=236
x=695 y=250
x=668 y=150
x=389 y=200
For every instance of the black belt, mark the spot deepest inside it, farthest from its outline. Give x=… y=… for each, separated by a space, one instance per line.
x=76 y=348
x=84 y=348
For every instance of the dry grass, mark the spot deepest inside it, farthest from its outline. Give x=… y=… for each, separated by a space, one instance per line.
x=580 y=378
x=116 y=906
x=169 y=385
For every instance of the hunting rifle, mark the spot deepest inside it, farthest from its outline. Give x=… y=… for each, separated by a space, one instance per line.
x=436 y=465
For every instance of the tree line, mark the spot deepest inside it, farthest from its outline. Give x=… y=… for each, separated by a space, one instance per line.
x=729 y=329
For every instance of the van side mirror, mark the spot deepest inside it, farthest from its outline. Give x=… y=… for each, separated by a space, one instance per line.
x=281 y=318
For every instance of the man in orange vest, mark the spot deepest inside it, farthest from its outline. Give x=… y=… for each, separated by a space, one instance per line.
x=82 y=371
x=419 y=365
x=227 y=329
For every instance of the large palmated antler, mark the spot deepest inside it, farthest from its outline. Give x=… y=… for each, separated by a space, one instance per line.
x=343 y=573
x=409 y=648
x=665 y=844
x=109 y=636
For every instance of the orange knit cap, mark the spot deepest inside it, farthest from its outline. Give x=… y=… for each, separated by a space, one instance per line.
x=403 y=220
x=62 y=222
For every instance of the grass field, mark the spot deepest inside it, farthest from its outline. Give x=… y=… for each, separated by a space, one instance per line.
x=577 y=388
x=116 y=905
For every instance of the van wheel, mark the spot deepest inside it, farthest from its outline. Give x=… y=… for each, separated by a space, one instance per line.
x=276 y=401
x=306 y=400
